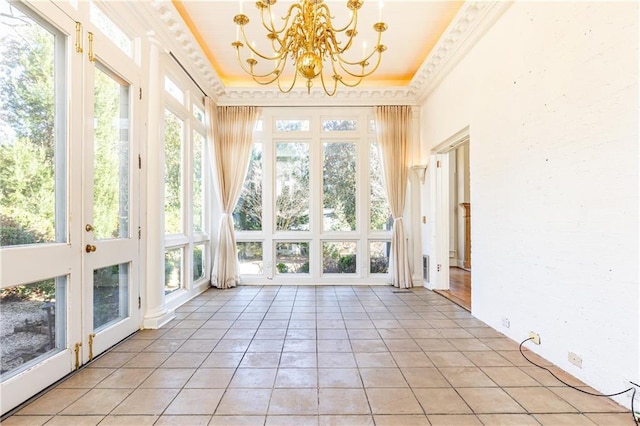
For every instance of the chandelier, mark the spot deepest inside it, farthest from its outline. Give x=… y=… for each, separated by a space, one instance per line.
x=309 y=39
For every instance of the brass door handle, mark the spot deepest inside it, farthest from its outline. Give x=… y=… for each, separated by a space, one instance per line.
x=88 y=227
x=90 y=248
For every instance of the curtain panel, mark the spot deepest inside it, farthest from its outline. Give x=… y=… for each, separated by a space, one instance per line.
x=393 y=125
x=230 y=135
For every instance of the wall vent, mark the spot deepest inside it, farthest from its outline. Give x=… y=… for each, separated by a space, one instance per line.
x=425 y=267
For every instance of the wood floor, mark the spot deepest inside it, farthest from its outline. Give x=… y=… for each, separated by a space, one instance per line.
x=459 y=288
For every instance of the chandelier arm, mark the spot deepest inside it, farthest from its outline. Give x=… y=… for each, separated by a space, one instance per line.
x=293 y=83
x=285 y=18
x=363 y=74
x=329 y=19
x=324 y=87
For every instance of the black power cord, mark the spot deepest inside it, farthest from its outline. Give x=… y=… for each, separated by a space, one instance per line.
x=633 y=389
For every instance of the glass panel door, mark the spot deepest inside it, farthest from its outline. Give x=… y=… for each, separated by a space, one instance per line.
x=39 y=262
x=110 y=305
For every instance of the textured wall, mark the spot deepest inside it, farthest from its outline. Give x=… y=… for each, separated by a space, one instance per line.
x=551 y=97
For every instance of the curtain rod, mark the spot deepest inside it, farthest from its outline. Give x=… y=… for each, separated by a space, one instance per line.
x=187 y=72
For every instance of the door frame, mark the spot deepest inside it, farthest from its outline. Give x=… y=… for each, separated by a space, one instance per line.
x=439 y=188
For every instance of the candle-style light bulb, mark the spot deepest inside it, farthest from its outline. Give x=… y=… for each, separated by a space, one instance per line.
x=380 y=5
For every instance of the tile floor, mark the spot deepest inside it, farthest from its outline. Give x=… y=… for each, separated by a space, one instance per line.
x=318 y=356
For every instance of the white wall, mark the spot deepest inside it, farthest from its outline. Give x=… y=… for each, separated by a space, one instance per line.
x=551 y=97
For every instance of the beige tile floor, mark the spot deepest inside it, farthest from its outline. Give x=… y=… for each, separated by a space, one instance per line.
x=318 y=356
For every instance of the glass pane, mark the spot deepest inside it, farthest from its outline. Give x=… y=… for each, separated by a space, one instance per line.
x=198 y=113
x=250 y=257
x=292 y=186
x=198 y=183
x=379 y=256
x=173 y=89
x=380 y=214
x=111 y=30
x=111 y=157
x=292 y=125
x=32 y=169
x=110 y=295
x=33 y=321
x=248 y=213
x=372 y=126
x=339 y=125
x=339 y=186
x=173 y=131
x=259 y=126
x=198 y=262
x=292 y=258
x=172 y=270
x=339 y=257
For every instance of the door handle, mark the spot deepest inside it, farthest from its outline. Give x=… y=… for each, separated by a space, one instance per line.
x=88 y=227
x=90 y=248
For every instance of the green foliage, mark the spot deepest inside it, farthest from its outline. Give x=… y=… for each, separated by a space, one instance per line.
x=247 y=215
x=27 y=168
x=198 y=271
x=43 y=290
x=282 y=268
x=339 y=186
x=172 y=173
x=347 y=264
x=379 y=265
x=292 y=203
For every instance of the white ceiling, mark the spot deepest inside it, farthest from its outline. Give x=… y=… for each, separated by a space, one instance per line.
x=414 y=28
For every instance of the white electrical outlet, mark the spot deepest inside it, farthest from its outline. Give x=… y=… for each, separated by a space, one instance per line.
x=575 y=359
x=506 y=323
x=535 y=337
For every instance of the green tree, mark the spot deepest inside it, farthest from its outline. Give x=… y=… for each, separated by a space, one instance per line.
x=173 y=173
x=247 y=215
x=27 y=151
x=339 y=186
x=292 y=202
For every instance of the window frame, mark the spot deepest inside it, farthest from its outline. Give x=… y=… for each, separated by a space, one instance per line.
x=316 y=236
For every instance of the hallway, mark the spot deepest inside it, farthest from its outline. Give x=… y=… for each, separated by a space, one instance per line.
x=335 y=355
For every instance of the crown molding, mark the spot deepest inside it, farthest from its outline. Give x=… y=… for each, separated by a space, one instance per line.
x=173 y=32
x=469 y=25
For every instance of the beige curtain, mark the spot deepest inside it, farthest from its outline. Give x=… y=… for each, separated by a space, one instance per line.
x=230 y=134
x=393 y=124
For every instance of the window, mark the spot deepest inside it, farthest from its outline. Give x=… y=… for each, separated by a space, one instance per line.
x=292 y=186
x=313 y=208
x=32 y=138
x=339 y=186
x=247 y=215
x=110 y=29
x=173 y=146
x=40 y=305
x=186 y=212
x=380 y=217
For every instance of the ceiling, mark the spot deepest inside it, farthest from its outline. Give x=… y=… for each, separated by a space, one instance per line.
x=414 y=29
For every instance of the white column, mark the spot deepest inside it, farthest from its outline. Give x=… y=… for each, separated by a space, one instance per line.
x=155 y=312
x=415 y=240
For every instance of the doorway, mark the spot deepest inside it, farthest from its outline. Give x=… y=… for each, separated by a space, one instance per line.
x=451 y=208
x=69 y=232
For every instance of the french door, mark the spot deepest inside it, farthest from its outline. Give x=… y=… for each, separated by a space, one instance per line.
x=69 y=208
x=110 y=197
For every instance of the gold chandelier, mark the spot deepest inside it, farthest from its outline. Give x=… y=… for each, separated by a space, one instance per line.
x=310 y=40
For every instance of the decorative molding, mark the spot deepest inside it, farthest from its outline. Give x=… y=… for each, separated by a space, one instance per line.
x=174 y=31
x=469 y=25
x=351 y=97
